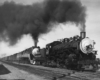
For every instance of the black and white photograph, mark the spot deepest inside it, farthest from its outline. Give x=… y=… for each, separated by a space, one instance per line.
x=49 y=39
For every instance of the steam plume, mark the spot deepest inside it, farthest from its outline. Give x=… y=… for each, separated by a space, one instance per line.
x=18 y=20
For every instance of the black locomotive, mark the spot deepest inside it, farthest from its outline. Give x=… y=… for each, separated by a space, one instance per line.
x=73 y=53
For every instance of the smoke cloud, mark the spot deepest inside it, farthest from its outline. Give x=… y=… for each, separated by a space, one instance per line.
x=17 y=20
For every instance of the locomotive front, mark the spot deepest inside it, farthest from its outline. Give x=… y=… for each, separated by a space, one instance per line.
x=86 y=45
x=85 y=55
x=33 y=54
x=38 y=56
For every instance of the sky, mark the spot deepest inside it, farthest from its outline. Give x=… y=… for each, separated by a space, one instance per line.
x=62 y=31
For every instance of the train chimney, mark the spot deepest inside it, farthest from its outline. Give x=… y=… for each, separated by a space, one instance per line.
x=35 y=43
x=82 y=35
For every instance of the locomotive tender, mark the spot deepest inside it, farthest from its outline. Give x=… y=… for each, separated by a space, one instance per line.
x=73 y=53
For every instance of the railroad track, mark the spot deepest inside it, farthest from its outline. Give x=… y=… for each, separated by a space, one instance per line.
x=57 y=74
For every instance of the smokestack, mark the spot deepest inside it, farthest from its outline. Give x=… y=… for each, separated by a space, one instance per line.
x=35 y=43
x=83 y=34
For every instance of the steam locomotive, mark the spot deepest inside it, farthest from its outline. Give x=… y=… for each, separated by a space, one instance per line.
x=73 y=53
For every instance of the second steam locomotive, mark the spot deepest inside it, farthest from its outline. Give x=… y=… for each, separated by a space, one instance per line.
x=73 y=53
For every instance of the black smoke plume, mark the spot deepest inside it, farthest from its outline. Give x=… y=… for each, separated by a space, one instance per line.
x=17 y=20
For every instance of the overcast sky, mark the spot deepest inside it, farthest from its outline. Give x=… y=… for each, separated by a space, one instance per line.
x=68 y=30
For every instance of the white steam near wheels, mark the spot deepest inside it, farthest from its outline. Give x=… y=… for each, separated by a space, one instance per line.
x=87 y=45
x=32 y=61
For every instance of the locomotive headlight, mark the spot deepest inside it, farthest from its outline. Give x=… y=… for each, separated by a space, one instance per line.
x=87 y=45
